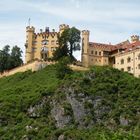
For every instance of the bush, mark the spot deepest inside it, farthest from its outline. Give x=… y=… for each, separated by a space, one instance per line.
x=62 y=68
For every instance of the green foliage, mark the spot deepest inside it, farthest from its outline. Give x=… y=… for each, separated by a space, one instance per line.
x=69 y=41
x=10 y=60
x=118 y=90
x=62 y=68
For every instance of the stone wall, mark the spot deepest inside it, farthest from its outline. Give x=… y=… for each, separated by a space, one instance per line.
x=33 y=66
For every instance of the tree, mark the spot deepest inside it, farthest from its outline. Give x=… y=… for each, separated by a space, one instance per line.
x=10 y=60
x=62 y=50
x=69 y=41
x=4 y=58
x=15 y=58
x=74 y=40
x=62 y=68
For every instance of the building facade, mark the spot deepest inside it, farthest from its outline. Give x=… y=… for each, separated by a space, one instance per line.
x=124 y=56
x=41 y=45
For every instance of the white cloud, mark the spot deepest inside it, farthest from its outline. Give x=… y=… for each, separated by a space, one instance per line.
x=108 y=20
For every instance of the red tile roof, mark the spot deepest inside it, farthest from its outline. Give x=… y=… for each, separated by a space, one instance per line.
x=126 y=46
x=105 y=47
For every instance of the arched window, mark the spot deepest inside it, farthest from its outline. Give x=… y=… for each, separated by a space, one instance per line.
x=122 y=61
x=128 y=59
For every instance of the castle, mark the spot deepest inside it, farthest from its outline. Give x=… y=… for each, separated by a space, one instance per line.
x=124 y=56
x=41 y=45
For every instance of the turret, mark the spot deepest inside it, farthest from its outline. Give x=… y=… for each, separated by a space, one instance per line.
x=85 y=46
x=29 y=43
x=134 y=38
x=62 y=27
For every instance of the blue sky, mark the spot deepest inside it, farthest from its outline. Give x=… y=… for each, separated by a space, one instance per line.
x=109 y=21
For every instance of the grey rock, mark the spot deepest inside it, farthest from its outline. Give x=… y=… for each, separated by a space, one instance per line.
x=58 y=114
x=124 y=121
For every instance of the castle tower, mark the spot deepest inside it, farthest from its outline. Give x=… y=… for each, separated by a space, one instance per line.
x=62 y=27
x=85 y=45
x=29 y=43
x=134 y=38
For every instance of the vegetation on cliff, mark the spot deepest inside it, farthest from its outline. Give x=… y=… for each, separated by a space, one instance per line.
x=100 y=104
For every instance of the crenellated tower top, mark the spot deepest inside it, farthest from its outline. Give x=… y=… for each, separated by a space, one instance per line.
x=85 y=32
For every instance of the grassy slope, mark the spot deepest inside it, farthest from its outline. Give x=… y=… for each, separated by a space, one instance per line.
x=21 y=90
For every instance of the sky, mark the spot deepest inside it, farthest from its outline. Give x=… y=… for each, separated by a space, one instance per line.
x=109 y=21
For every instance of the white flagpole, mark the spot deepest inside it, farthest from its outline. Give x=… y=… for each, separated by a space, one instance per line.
x=29 y=22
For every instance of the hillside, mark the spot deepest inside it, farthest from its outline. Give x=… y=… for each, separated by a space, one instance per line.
x=100 y=104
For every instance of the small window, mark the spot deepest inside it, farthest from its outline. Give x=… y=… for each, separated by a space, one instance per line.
x=57 y=42
x=92 y=52
x=122 y=69
x=99 y=53
x=95 y=52
x=139 y=57
x=128 y=59
x=138 y=66
x=128 y=68
x=122 y=61
x=45 y=42
x=52 y=42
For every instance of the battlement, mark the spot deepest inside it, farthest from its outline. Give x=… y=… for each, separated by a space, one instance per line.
x=85 y=32
x=63 y=27
x=134 y=38
x=28 y=28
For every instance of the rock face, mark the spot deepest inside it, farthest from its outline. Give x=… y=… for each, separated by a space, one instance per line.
x=75 y=109
x=85 y=110
x=59 y=115
x=36 y=110
x=79 y=111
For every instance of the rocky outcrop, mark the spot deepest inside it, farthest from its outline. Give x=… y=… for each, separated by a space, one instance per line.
x=58 y=113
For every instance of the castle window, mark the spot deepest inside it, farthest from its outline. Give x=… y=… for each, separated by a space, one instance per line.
x=95 y=52
x=122 y=69
x=45 y=42
x=57 y=42
x=53 y=48
x=139 y=57
x=128 y=69
x=52 y=42
x=128 y=59
x=99 y=53
x=122 y=61
x=34 y=42
x=92 y=52
x=138 y=66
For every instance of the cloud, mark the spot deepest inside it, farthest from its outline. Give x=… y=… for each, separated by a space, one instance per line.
x=108 y=20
